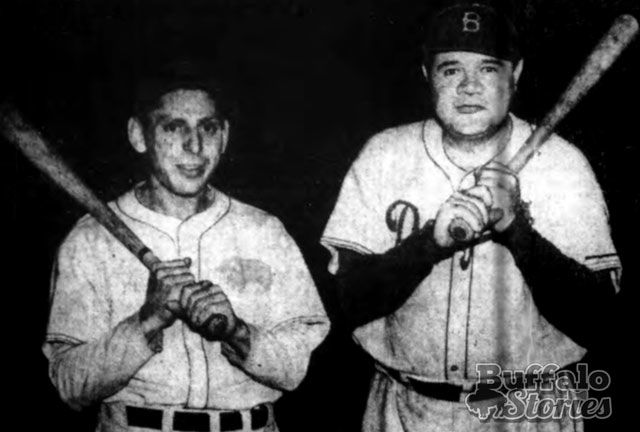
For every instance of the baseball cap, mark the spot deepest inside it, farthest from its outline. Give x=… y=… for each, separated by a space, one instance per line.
x=474 y=26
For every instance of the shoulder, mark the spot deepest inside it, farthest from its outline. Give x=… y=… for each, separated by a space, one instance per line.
x=84 y=241
x=555 y=154
x=88 y=233
x=250 y=216
x=393 y=142
x=560 y=156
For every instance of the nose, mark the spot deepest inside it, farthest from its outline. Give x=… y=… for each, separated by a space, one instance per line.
x=470 y=84
x=193 y=142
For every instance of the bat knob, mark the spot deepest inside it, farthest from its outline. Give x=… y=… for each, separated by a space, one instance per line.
x=460 y=231
x=216 y=325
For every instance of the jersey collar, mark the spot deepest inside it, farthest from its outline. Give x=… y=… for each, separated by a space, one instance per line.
x=460 y=179
x=199 y=222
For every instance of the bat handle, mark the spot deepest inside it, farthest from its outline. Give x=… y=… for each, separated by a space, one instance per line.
x=148 y=258
x=460 y=231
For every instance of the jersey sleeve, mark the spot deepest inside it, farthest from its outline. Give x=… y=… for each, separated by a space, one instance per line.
x=80 y=308
x=358 y=219
x=569 y=209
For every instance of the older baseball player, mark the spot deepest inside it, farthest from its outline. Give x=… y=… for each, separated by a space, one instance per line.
x=429 y=309
x=143 y=345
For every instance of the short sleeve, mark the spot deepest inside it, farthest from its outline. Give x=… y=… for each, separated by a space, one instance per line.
x=569 y=209
x=294 y=294
x=79 y=306
x=358 y=219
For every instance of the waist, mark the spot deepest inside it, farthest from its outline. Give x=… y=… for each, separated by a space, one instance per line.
x=177 y=418
x=468 y=391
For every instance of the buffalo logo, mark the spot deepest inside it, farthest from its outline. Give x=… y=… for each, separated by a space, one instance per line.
x=403 y=219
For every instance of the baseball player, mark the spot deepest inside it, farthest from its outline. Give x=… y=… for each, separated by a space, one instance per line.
x=221 y=327
x=430 y=309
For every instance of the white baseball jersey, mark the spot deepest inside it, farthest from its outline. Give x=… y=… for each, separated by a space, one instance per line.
x=98 y=287
x=474 y=307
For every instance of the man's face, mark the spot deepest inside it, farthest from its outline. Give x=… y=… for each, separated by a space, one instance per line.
x=471 y=92
x=184 y=139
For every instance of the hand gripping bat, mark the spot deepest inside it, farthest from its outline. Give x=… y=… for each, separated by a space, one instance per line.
x=621 y=33
x=38 y=150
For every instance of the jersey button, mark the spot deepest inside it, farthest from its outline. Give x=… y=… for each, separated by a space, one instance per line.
x=454 y=368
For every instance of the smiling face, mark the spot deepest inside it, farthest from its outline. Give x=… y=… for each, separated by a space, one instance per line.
x=184 y=138
x=471 y=92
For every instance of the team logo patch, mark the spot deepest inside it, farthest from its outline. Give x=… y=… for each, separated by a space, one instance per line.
x=246 y=274
x=471 y=22
x=403 y=219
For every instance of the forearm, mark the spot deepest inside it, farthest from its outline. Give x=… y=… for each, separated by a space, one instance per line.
x=278 y=357
x=376 y=285
x=90 y=372
x=568 y=294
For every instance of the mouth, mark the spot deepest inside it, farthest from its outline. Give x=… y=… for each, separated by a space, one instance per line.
x=191 y=170
x=469 y=108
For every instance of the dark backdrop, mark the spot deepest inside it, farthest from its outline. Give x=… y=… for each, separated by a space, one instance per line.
x=313 y=80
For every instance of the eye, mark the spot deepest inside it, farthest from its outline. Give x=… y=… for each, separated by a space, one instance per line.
x=211 y=127
x=450 y=72
x=490 y=69
x=172 y=127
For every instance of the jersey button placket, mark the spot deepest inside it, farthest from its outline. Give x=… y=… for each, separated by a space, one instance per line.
x=198 y=374
x=458 y=308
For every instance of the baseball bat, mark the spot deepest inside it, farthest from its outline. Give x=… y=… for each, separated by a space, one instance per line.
x=608 y=49
x=38 y=150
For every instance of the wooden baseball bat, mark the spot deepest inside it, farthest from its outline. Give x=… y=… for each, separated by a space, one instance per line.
x=37 y=149
x=608 y=49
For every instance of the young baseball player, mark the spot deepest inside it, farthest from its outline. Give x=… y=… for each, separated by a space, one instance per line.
x=221 y=327
x=430 y=309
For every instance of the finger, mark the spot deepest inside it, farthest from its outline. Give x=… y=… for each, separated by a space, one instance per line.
x=174 y=307
x=474 y=205
x=198 y=294
x=203 y=310
x=469 y=217
x=478 y=204
x=495 y=215
x=172 y=263
x=185 y=292
x=179 y=279
x=189 y=290
x=174 y=271
x=501 y=179
x=482 y=192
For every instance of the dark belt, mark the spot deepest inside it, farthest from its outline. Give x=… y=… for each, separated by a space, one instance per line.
x=444 y=391
x=196 y=421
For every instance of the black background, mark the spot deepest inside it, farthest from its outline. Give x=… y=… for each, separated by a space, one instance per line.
x=313 y=79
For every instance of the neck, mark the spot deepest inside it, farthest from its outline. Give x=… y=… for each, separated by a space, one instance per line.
x=470 y=152
x=153 y=195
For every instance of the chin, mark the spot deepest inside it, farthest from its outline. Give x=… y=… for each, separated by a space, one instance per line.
x=187 y=189
x=471 y=129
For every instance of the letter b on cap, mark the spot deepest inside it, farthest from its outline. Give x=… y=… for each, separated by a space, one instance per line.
x=471 y=22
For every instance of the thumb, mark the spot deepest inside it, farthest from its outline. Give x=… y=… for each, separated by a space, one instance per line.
x=174 y=307
x=495 y=215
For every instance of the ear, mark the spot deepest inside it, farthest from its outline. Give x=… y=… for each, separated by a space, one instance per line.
x=425 y=73
x=517 y=71
x=225 y=135
x=135 y=131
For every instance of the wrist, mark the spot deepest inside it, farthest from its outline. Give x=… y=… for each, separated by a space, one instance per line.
x=239 y=340
x=152 y=330
x=519 y=229
x=430 y=246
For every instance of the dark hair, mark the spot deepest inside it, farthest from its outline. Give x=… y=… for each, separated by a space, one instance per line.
x=179 y=75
